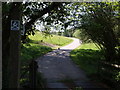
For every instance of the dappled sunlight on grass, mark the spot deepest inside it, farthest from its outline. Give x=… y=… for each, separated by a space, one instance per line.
x=87 y=57
x=91 y=59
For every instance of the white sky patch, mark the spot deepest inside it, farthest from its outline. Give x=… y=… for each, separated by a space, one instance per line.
x=53 y=28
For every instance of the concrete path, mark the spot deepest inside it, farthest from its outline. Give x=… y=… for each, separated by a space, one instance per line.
x=76 y=42
x=56 y=66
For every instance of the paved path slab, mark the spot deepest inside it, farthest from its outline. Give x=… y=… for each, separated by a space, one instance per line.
x=57 y=66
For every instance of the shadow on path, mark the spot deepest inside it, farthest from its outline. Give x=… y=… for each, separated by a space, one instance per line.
x=57 y=66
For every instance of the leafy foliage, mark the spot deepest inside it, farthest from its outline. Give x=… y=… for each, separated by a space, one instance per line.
x=82 y=36
x=46 y=12
x=98 y=23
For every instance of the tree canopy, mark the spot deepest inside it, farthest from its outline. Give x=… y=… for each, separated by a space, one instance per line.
x=98 y=21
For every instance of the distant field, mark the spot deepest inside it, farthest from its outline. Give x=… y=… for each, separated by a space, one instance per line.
x=88 y=46
x=34 y=49
x=56 y=40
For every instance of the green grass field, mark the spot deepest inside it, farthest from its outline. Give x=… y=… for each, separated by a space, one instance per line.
x=56 y=40
x=88 y=46
x=86 y=57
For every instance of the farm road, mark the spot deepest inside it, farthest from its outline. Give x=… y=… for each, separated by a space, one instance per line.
x=57 y=66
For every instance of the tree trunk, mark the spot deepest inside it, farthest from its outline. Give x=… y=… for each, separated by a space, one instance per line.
x=13 y=63
x=5 y=51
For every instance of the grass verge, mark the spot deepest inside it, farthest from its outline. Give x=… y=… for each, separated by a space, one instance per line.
x=32 y=51
x=87 y=57
x=91 y=46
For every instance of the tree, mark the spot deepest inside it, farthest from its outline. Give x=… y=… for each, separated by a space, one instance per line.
x=82 y=36
x=98 y=22
x=54 y=10
x=11 y=63
x=31 y=12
